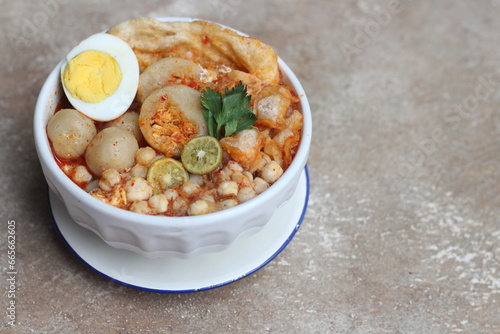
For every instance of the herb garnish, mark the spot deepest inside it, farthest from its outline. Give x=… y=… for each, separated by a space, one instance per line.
x=229 y=114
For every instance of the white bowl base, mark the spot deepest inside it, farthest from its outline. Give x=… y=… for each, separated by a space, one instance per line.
x=172 y=274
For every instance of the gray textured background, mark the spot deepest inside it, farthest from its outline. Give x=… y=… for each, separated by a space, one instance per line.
x=402 y=231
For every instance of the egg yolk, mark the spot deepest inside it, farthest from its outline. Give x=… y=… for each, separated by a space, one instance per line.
x=92 y=76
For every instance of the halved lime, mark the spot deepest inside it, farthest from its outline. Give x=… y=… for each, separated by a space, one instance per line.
x=201 y=155
x=166 y=173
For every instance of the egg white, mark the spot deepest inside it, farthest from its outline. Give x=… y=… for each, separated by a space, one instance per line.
x=118 y=103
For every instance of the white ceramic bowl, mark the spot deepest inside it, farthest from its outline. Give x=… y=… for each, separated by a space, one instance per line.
x=155 y=236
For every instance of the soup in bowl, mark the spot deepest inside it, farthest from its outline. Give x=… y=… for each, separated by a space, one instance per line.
x=172 y=135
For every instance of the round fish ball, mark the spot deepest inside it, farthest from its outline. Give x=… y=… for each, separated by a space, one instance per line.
x=162 y=113
x=70 y=133
x=111 y=148
x=156 y=75
x=128 y=121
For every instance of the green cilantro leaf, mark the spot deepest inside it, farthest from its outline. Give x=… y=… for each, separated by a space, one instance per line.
x=229 y=114
x=211 y=100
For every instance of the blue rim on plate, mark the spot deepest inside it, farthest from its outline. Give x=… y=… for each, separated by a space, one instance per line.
x=274 y=252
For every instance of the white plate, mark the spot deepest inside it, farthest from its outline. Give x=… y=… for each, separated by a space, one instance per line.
x=172 y=274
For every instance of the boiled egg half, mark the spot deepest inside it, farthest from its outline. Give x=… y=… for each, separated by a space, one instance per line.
x=100 y=77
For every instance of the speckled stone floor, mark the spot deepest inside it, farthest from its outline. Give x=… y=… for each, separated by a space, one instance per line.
x=402 y=231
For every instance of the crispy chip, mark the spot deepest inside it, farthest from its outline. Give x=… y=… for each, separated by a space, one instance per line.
x=207 y=43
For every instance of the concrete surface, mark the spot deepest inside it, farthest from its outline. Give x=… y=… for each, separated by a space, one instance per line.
x=402 y=231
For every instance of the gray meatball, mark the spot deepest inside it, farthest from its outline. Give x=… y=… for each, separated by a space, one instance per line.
x=70 y=133
x=111 y=148
x=128 y=121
